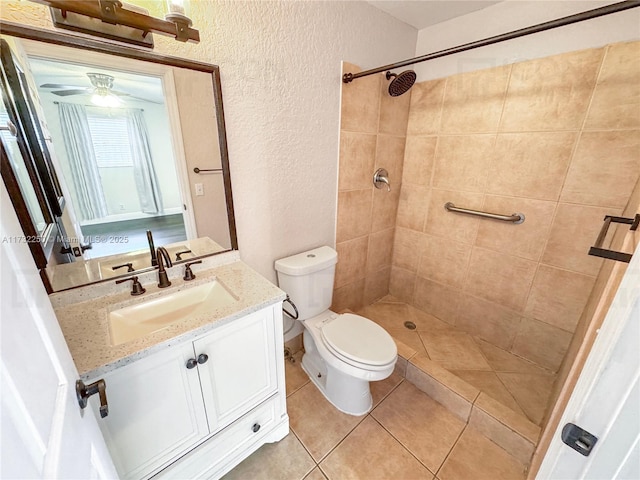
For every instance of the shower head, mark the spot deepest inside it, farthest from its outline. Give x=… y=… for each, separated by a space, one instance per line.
x=401 y=83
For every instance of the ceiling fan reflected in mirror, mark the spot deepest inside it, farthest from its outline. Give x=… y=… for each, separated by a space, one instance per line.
x=101 y=91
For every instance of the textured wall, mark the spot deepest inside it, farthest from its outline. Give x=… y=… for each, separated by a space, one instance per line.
x=280 y=68
x=511 y=15
x=557 y=139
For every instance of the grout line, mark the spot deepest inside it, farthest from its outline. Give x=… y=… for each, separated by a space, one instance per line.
x=452 y=447
x=504 y=100
x=402 y=445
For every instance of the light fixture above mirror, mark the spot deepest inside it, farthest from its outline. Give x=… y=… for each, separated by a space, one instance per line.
x=122 y=22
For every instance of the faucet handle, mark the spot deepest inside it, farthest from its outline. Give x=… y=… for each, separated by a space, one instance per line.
x=129 y=266
x=179 y=254
x=136 y=287
x=188 y=274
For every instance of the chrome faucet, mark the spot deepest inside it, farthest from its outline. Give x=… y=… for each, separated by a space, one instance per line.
x=152 y=248
x=163 y=278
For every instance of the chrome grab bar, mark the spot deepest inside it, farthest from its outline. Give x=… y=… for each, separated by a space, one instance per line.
x=516 y=218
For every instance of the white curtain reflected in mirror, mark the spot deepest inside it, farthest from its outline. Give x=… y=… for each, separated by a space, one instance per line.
x=112 y=139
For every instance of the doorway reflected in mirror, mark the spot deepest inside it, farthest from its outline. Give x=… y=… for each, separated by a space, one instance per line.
x=113 y=142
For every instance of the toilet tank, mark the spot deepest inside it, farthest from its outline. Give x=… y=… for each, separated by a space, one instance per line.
x=308 y=279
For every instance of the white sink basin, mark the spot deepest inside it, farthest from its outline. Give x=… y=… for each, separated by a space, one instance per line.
x=135 y=321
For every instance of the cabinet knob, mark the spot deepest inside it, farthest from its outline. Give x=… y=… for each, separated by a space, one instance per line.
x=191 y=363
x=256 y=427
x=202 y=358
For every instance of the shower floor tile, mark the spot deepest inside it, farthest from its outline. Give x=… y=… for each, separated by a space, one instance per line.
x=518 y=384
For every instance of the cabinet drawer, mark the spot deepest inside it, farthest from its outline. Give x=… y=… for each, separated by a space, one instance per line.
x=207 y=460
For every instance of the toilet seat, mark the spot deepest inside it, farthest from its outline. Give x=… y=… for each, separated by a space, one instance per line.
x=358 y=340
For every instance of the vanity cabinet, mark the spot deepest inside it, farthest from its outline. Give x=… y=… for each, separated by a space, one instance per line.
x=197 y=408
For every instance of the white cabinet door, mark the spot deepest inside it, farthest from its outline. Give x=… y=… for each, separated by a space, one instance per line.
x=241 y=369
x=155 y=411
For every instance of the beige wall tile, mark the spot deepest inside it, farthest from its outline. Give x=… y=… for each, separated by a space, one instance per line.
x=558 y=297
x=444 y=261
x=348 y=297
x=402 y=284
x=525 y=240
x=407 y=249
x=424 y=427
x=376 y=285
x=357 y=158
x=488 y=321
x=354 y=214
x=360 y=103
x=475 y=456
x=500 y=278
x=380 y=250
x=604 y=170
x=412 y=207
x=616 y=100
x=394 y=111
x=385 y=208
x=473 y=101
x=462 y=161
x=532 y=164
x=454 y=226
x=551 y=93
x=352 y=261
x=390 y=155
x=426 y=107
x=541 y=343
x=418 y=160
x=574 y=230
x=437 y=299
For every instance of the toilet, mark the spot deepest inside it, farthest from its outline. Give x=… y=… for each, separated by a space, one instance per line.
x=343 y=352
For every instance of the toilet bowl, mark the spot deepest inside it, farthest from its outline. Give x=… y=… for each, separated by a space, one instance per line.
x=343 y=352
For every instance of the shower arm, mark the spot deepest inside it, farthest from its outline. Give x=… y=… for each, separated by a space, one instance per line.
x=541 y=27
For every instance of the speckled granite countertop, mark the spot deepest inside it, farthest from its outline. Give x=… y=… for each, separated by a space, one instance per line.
x=82 y=314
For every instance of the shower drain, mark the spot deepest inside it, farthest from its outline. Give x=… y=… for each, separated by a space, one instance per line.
x=410 y=325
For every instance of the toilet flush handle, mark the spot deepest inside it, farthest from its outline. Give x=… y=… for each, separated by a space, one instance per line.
x=380 y=177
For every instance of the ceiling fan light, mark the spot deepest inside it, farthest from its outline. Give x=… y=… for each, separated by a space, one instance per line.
x=108 y=100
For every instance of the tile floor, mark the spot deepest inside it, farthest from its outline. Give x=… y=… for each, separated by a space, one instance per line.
x=407 y=435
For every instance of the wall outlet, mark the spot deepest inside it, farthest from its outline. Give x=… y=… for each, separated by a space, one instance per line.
x=199 y=190
x=121 y=206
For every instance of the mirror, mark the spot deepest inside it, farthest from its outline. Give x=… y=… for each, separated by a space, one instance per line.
x=130 y=141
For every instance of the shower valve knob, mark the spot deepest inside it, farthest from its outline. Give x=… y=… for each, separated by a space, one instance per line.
x=380 y=177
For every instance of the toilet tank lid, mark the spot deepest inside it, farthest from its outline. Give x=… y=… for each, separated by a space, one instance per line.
x=308 y=262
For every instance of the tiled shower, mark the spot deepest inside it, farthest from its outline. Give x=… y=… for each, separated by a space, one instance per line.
x=555 y=138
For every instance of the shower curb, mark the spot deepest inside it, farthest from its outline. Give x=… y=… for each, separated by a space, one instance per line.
x=510 y=430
